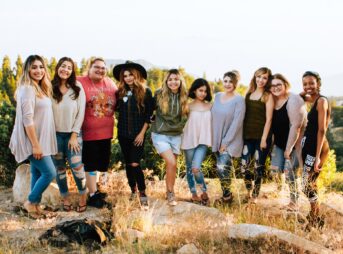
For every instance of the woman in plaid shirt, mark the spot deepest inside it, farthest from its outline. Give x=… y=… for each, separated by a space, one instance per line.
x=135 y=109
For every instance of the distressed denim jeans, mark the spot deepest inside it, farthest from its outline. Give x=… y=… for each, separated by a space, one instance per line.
x=194 y=158
x=74 y=160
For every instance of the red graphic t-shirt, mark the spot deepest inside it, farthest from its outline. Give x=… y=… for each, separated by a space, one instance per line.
x=100 y=103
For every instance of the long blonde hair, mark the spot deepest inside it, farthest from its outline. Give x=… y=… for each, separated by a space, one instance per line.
x=44 y=86
x=163 y=98
x=139 y=86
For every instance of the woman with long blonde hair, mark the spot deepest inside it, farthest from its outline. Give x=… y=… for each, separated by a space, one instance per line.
x=34 y=135
x=166 y=130
x=134 y=103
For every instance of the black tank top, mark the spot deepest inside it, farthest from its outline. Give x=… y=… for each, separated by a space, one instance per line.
x=280 y=126
x=312 y=125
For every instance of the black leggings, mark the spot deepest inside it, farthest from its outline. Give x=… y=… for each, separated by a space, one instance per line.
x=133 y=154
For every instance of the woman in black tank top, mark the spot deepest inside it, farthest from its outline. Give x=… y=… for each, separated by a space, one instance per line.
x=288 y=118
x=315 y=146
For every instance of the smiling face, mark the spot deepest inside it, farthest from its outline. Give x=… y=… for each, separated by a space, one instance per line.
x=128 y=78
x=37 y=71
x=278 y=87
x=228 y=84
x=310 y=85
x=65 y=70
x=261 y=80
x=97 y=71
x=174 y=82
x=201 y=93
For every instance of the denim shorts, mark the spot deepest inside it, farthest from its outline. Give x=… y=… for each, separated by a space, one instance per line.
x=279 y=161
x=163 y=143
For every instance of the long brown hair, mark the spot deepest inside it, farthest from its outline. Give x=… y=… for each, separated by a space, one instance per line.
x=44 y=85
x=71 y=81
x=163 y=98
x=139 y=86
x=253 y=85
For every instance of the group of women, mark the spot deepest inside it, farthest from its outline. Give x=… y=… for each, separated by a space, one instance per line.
x=70 y=120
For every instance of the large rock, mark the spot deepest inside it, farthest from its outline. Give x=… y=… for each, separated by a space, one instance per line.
x=189 y=249
x=184 y=214
x=253 y=231
x=22 y=187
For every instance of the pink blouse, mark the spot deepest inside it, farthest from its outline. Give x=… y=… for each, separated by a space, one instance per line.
x=197 y=130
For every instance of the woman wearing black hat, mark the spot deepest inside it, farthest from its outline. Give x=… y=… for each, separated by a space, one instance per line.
x=135 y=109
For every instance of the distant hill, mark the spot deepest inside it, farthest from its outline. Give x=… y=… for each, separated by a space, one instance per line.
x=147 y=65
x=333 y=85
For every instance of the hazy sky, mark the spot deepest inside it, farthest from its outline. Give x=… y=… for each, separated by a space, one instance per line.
x=210 y=36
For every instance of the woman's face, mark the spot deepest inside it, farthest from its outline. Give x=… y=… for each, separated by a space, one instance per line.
x=261 y=79
x=174 y=82
x=278 y=87
x=97 y=71
x=37 y=71
x=65 y=70
x=201 y=93
x=128 y=78
x=228 y=85
x=310 y=85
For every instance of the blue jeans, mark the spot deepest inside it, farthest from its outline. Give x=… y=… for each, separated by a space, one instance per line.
x=194 y=158
x=42 y=173
x=253 y=163
x=224 y=166
x=289 y=167
x=74 y=160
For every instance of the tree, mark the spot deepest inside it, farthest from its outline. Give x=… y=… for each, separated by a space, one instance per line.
x=8 y=81
x=83 y=66
x=19 y=68
x=52 y=66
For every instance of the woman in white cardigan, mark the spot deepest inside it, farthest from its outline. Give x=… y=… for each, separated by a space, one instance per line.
x=34 y=136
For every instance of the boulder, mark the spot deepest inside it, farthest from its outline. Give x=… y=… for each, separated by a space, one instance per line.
x=254 y=231
x=22 y=187
x=189 y=249
x=184 y=214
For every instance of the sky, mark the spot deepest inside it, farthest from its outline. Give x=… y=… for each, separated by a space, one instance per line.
x=212 y=37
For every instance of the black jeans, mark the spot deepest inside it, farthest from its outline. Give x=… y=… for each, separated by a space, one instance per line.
x=253 y=163
x=133 y=154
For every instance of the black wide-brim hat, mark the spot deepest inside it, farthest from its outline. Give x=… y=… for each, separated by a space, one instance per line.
x=128 y=64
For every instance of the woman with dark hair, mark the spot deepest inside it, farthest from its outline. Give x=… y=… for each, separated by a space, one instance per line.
x=196 y=137
x=135 y=105
x=227 y=133
x=34 y=135
x=97 y=127
x=315 y=147
x=289 y=119
x=256 y=131
x=69 y=109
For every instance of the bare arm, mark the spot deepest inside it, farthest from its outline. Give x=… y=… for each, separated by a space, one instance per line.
x=269 y=116
x=322 y=108
x=140 y=137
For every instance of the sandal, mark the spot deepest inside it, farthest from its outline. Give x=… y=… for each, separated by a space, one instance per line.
x=204 y=199
x=67 y=208
x=81 y=208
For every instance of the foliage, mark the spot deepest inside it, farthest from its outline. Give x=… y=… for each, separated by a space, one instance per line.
x=7 y=162
x=327 y=174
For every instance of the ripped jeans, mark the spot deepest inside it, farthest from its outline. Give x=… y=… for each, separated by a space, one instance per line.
x=194 y=158
x=224 y=166
x=74 y=160
x=253 y=164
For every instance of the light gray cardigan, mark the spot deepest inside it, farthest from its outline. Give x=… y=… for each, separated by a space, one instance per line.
x=32 y=110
